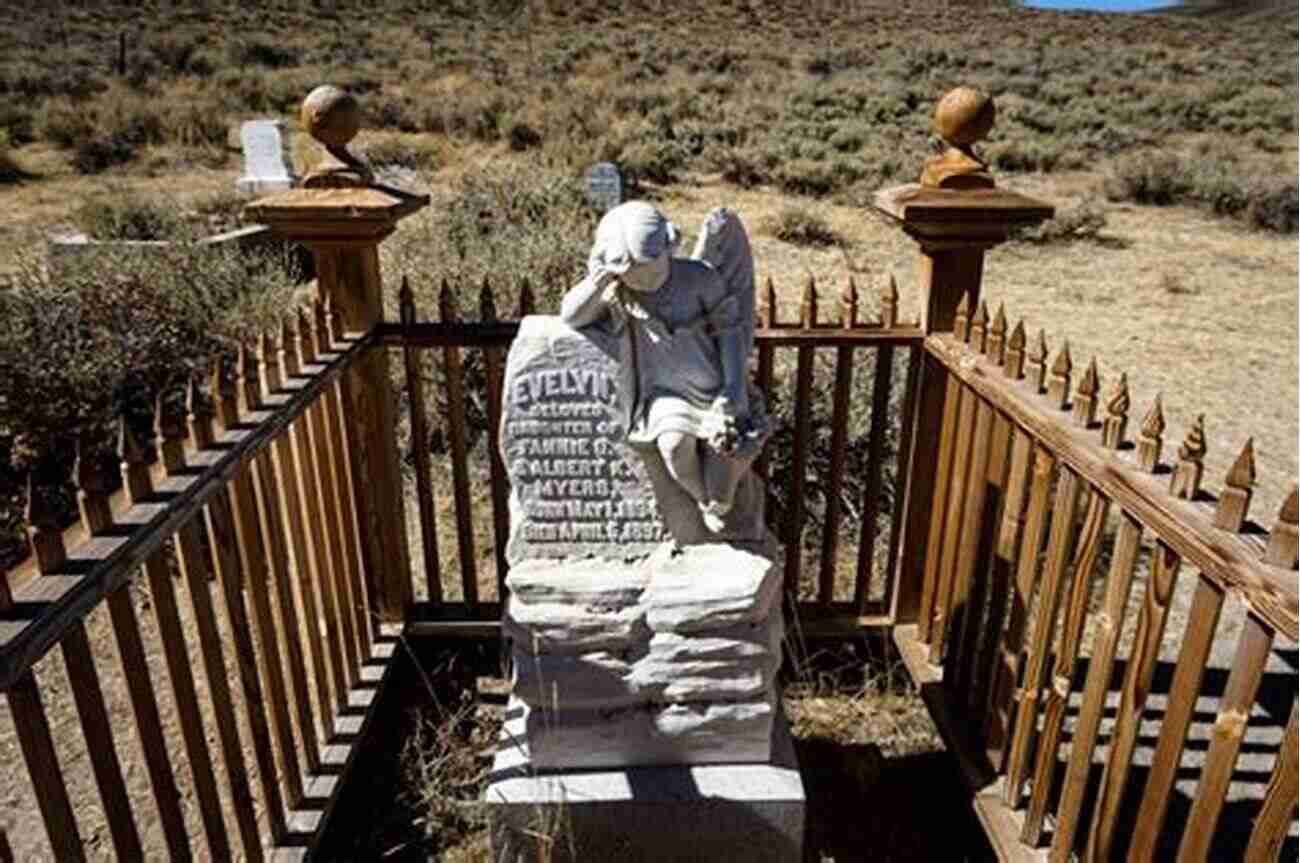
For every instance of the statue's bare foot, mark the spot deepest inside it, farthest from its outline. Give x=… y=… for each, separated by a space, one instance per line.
x=713 y=512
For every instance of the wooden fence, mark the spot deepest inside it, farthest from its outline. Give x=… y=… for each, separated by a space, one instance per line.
x=825 y=603
x=1023 y=459
x=264 y=517
x=258 y=509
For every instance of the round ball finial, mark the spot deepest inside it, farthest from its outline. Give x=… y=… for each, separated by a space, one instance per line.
x=331 y=115
x=963 y=116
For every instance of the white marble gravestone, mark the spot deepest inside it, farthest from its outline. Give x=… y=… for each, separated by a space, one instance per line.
x=576 y=488
x=267 y=164
x=604 y=186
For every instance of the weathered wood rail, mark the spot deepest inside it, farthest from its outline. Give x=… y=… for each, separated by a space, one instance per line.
x=849 y=583
x=253 y=514
x=1024 y=461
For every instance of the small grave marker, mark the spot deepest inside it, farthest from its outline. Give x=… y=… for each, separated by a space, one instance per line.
x=604 y=186
x=267 y=167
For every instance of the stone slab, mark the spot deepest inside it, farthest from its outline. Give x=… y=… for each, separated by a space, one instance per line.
x=714 y=586
x=556 y=628
x=667 y=668
x=701 y=814
x=587 y=582
x=738 y=732
x=577 y=488
x=267 y=165
x=604 y=184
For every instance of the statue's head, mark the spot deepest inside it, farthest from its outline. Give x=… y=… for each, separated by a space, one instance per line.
x=635 y=242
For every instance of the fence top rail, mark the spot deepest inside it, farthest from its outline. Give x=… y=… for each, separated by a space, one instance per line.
x=47 y=605
x=1233 y=559
x=501 y=333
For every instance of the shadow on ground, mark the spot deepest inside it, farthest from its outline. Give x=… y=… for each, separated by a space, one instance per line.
x=861 y=805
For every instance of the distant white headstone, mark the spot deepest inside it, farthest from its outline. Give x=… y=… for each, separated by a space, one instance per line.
x=267 y=166
x=604 y=186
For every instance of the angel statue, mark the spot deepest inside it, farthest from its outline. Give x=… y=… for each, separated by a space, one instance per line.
x=686 y=327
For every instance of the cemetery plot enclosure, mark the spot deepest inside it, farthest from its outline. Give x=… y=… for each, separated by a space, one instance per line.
x=948 y=480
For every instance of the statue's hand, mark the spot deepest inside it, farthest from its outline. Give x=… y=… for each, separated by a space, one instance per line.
x=603 y=278
x=724 y=405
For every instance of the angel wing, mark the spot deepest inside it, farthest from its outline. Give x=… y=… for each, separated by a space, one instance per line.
x=724 y=244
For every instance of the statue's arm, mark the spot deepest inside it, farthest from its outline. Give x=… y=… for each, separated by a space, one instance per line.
x=585 y=302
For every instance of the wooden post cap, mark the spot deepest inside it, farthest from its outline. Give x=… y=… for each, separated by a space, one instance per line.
x=338 y=202
x=332 y=116
x=956 y=199
x=956 y=218
x=963 y=117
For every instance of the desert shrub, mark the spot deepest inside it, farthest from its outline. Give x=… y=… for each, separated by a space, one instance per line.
x=1275 y=208
x=1216 y=180
x=1082 y=222
x=817 y=177
x=10 y=172
x=443 y=777
x=196 y=120
x=128 y=217
x=257 y=50
x=392 y=111
x=80 y=349
x=65 y=123
x=180 y=55
x=801 y=227
x=1021 y=155
x=17 y=124
x=1146 y=177
x=96 y=154
x=498 y=226
x=523 y=137
x=503 y=223
x=653 y=158
x=404 y=152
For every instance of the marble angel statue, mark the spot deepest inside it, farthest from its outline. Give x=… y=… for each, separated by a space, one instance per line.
x=686 y=327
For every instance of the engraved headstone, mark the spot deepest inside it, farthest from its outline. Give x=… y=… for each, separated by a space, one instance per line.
x=604 y=186
x=576 y=487
x=267 y=167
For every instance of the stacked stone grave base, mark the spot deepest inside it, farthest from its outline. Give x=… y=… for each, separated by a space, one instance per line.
x=668 y=660
x=646 y=690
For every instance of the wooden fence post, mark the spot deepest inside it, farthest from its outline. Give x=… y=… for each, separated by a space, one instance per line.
x=955 y=216
x=343 y=216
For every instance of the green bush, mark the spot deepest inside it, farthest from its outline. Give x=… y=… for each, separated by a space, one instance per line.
x=128 y=217
x=1082 y=222
x=98 y=341
x=1213 y=179
x=257 y=50
x=800 y=227
x=95 y=154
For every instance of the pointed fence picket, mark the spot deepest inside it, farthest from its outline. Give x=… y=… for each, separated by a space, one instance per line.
x=1046 y=789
